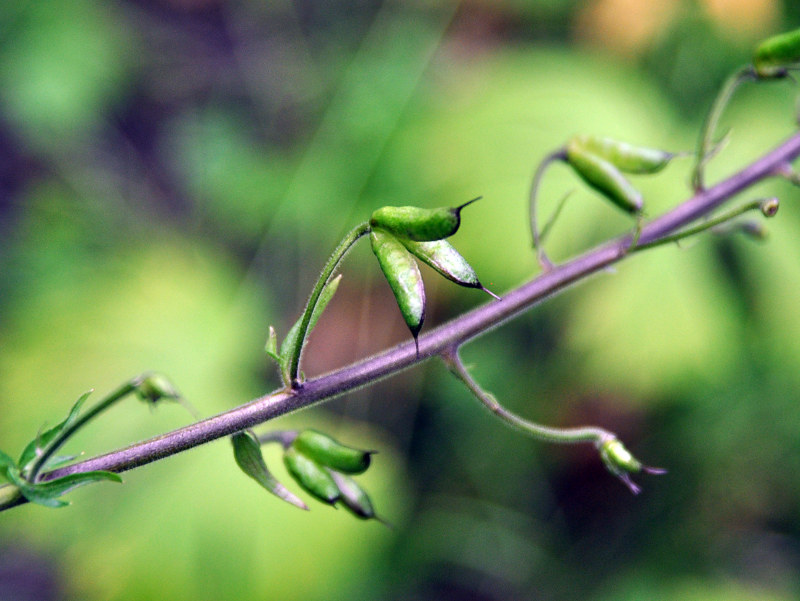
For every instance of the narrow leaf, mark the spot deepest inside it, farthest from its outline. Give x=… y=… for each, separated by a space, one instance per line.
x=291 y=341
x=38 y=444
x=48 y=493
x=247 y=453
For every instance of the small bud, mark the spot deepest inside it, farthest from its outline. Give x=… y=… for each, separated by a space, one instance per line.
x=154 y=387
x=769 y=206
x=619 y=461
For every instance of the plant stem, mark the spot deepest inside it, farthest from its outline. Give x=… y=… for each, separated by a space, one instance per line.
x=67 y=433
x=453 y=333
x=327 y=272
x=591 y=434
x=712 y=120
x=538 y=237
x=700 y=227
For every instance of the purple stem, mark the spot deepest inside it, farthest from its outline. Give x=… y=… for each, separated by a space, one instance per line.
x=447 y=336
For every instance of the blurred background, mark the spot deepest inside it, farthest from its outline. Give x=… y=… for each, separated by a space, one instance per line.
x=173 y=174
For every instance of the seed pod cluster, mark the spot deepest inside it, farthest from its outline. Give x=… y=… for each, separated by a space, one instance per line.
x=399 y=234
x=601 y=162
x=323 y=467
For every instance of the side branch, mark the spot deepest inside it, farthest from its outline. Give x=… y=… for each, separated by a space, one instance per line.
x=447 y=336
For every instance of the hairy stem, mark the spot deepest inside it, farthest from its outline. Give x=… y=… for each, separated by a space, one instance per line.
x=453 y=333
x=327 y=272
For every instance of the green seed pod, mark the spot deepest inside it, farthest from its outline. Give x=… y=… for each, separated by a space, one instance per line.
x=331 y=453
x=403 y=275
x=353 y=497
x=624 y=156
x=605 y=178
x=775 y=55
x=419 y=224
x=444 y=258
x=314 y=478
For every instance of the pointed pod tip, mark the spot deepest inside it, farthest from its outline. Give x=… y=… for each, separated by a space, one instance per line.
x=487 y=291
x=459 y=208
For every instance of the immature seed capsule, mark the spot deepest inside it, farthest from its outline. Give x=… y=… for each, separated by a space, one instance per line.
x=605 y=178
x=624 y=156
x=419 y=224
x=331 y=453
x=444 y=258
x=403 y=275
x=314 y=478
x=354 y=497
x=776 y=54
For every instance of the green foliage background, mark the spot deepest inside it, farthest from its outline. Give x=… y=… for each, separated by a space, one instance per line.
x=172 y=175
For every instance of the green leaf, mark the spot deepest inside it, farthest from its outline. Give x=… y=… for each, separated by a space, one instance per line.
x=247 y=452
x=291 y=341
x=48 y=493
x=35 y=447
x=272 y=345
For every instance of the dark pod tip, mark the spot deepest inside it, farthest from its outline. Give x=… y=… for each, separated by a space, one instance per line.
x=457 y=210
